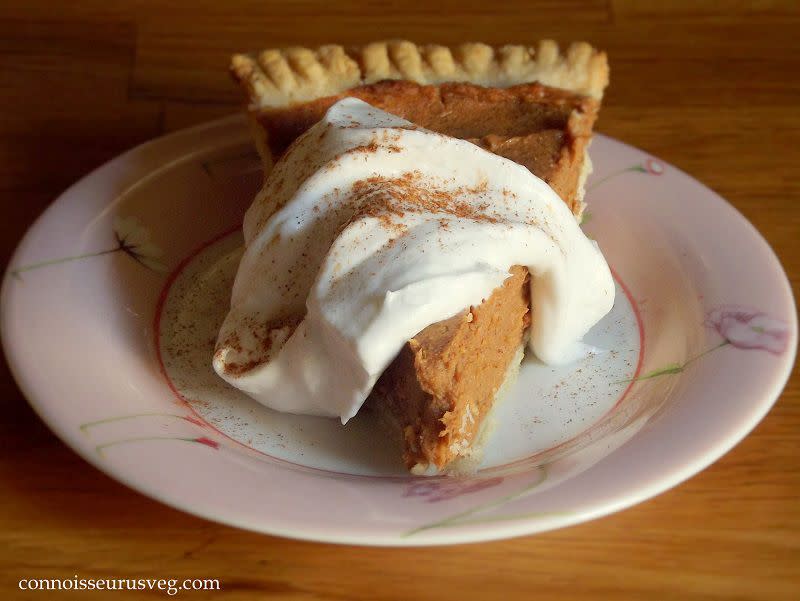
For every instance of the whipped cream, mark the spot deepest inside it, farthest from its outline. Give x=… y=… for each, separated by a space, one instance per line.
x=368 y=230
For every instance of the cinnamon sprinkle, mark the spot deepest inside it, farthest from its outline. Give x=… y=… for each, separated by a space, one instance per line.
x=389 y=197
x=264 y=334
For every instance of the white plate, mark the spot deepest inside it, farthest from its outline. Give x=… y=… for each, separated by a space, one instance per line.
x=110 y=340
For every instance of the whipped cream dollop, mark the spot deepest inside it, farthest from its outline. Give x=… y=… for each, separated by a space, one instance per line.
x=368 y=230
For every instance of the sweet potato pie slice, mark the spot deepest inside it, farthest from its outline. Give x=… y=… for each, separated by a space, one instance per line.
x=533 y=105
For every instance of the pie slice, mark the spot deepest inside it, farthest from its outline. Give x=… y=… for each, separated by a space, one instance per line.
x=533 y=105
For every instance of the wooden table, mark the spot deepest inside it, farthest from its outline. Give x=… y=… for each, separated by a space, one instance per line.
x=713 y=90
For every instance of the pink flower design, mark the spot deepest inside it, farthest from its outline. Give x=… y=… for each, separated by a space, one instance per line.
x=746 y=328
x=443 y=489
x=207 y=441
x=653 y=167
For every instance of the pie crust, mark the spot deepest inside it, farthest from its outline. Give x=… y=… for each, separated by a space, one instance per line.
x=280 y=77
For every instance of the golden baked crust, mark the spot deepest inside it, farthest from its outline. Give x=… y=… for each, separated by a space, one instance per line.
x=280 y=77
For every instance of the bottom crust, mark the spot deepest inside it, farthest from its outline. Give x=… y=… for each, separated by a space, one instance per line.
x=586 y=169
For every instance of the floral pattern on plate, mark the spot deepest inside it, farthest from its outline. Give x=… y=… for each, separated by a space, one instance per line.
x=133 y=240
x=743 y=328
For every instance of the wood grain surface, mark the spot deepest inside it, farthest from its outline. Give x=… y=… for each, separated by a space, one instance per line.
x=711 y=87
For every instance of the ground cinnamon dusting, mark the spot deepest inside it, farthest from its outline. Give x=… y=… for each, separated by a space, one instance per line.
x=263 y=333
x=390 y=198
x=365 y=148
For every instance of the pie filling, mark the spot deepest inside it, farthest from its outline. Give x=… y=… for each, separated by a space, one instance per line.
x=544 y=129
